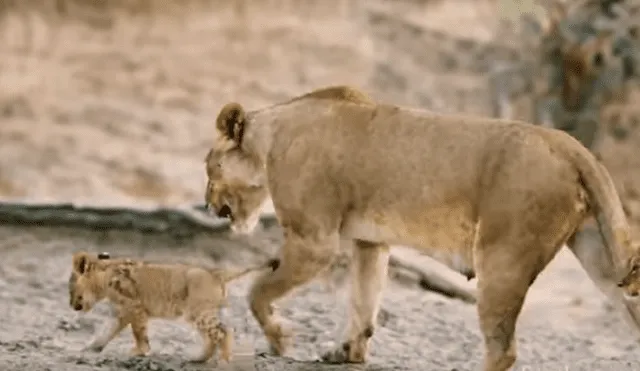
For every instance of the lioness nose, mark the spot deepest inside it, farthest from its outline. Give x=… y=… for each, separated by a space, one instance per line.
x=77 y=306
x=224 y=212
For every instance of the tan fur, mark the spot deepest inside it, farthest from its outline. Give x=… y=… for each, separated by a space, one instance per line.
x=236 y=178
x=487 y=197
x=140 y=291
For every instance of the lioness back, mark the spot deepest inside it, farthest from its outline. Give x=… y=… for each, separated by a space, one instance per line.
x=338 y=93
x=385 y=152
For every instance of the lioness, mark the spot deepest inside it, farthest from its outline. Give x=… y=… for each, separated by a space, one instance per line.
x=491 y=198
x=140 y=291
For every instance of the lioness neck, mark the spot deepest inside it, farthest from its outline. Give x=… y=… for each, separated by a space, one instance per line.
x=259 y=132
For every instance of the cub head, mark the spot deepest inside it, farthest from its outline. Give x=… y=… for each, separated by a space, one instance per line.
x=87 y=281
x=630 y=282
x=236 y=179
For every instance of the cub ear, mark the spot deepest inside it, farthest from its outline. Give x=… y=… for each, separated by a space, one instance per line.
x=81 y=262
x=231 y=121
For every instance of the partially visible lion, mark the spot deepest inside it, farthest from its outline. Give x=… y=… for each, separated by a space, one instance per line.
x=491 y=198
x=141 y=290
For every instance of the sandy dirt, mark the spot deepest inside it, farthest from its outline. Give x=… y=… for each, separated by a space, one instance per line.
x=124 y=116
x=565 y=321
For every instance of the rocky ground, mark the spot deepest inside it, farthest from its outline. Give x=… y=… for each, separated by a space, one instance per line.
x=123 y=115
x=565 y=325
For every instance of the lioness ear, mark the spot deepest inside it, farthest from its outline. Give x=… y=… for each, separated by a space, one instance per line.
x=207 y=158
x=230 y=122
x=80 y=262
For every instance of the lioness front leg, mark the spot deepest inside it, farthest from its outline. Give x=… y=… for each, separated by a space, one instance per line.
x=369 y=275
x=302 y=258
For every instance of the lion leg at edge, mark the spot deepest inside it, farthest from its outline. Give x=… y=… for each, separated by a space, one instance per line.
x=588 y=247
x=301 y=260
x=369 y=275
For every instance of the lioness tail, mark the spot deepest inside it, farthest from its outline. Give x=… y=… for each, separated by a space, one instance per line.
x=607 y=207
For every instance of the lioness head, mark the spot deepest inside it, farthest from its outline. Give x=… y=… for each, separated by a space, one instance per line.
x=87 y=282
x=236 y=181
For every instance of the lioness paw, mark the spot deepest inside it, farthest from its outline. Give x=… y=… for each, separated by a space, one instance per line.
x=279 y=338
x=138 y=351
x=343 y=354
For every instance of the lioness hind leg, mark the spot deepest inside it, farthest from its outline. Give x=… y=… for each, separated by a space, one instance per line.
x=302 y=258
x=503 y=282
x=369 y=275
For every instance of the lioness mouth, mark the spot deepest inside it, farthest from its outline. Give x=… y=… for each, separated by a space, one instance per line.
x=225 y=212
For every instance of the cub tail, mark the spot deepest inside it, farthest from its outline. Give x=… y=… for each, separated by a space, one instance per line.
x=232 y=274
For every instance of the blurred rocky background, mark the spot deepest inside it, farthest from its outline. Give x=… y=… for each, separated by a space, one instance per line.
x=112 y=102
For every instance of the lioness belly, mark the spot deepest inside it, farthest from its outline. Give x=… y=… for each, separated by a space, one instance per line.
x=449 y=243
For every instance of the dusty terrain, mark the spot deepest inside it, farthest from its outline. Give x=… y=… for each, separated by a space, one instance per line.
x=565 y=324
x=119 y=110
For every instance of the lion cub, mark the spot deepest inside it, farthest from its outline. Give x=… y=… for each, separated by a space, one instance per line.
x=141 y=290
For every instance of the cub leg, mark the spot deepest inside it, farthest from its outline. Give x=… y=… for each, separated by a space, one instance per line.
x=369 y=275
x=302 y=258
x=139 y=321
x=112 y=330
x=123 y=293
x=213 y=333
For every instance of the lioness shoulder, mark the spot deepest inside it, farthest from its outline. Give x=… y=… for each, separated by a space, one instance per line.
x=229 y=121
